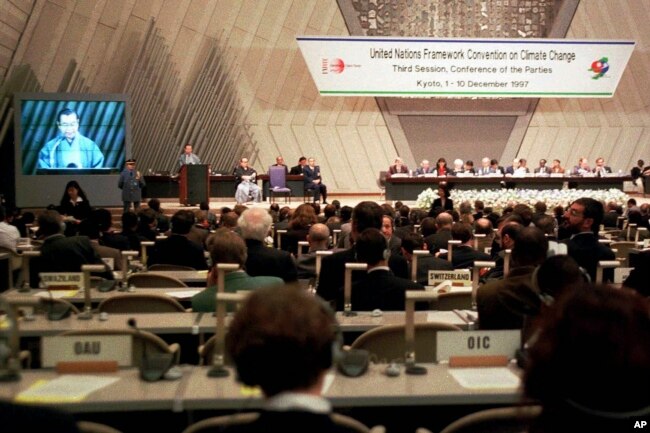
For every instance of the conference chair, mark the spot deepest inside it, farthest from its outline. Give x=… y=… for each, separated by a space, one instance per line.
x=153 y=280
x=141 y=339
x=94 y=427
x=453 y=301
x=514 y=419
x=168 y=267
x=278 y=184
x=206 y=352
x=52 y=305
x=140 y=303
x=237 y=419
x=622 y=251
x=387 y=342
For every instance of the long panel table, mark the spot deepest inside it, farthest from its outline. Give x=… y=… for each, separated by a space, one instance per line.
x=408 y=188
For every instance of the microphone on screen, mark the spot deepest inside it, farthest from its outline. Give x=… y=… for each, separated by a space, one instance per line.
x=153 y=366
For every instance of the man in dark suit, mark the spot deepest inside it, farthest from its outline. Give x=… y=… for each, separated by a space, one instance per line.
x=442 y=236
x=543 y=168
x=387 y=228
x=414 y=241
x=177 y=249
x=255 y=224
x=318 y=239
x=313 y=181
x=463 y=256
x=501 y=303
x=582 y=221
x=601 y=170
x=297 y=169
x=60 y=253
x=366 y=214
x=398 y=167
x=610 y=218
x=425 y=168
x=379 y=287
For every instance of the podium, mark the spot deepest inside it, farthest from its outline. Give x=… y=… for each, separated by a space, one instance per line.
x=194 y=184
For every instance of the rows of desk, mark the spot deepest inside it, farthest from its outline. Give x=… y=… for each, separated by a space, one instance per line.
x=196 y=391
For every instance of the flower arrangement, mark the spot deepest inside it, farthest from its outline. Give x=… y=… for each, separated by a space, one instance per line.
x=499 y=199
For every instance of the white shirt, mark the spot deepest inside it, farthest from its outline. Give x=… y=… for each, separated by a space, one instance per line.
x=9 y=236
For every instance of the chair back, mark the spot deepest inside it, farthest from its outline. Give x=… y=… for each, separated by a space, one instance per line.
x=206 y=352
x=277 y=177
x=140 y=338
x=515 y=419
x=154 y=280
x=93 y=427
x=623 y=251
x=388 y=344
x=140 y=303
x=454 y=301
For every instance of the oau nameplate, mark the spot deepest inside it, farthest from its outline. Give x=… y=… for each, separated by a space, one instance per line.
x=66 y=348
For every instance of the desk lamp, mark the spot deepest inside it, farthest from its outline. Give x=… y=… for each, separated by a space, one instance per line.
x=218 y=362
x=347 y=287
x=413 y=296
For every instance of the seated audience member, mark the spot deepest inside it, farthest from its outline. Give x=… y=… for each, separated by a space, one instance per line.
x=344 y=240
x=398 y=167
x=469 y=167
x=379 y=287
x=479 y=210
x=210 y=216
x=588 y=332
x=546 y=224
x=177 y=249
x=640 y=276
x=318 y=238
x=331 y=218
x=162 y=224
x=464 y=255
x=557 y=167
x=539 y=209
x=582 y=168
x=227 y=247
x=302 y=219
x=60 y=253
x=511 y=169
x=495 y=313
x=508 y=229
x=582 y=221
x=199 y=232
x=147 y=223
x=9 y=234
x=229 y=221
x=601 y=170
x=283 y=218
x=104 y=220
x=387 y=229
x=245 y=176
x=403 y=223
x=314 y=181
x=23 y=418
x=428 y=227
x=366 y=214
x=89 y=229
x=414 y=241
x=255 y=225
x=298 y=169
x=439 y=240
x=525 y=213
x=610 y=218
x=465 y=211
x=441 y=167
x=129 y=230
x=637 y=173
x=284 y=341
x=631 y=205
x=634 y=217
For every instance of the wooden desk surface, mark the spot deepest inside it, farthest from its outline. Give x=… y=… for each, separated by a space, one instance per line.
x=188 y=277
x=181 y=294
x=196 y=391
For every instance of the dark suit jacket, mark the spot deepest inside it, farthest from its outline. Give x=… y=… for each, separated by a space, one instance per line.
x=114 y=240
x=291 y=421
x=296 y=169
x=265 y=261
x=503 y=304
x=437 y=203
x=463 y=257
x=639 y=278
x=381 y=289
x=177 y=250
x=19 y=418
x=610 y=219
x=438 y=240
x=332 y=274
x=393 y=169
x=65 y=254
x=311 y=174
x=545 y=169
x=292 y=237
x=421 y=171
x=587 y=251
x=430 y=263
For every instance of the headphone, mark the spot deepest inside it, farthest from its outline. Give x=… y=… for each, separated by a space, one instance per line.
x=547 y=298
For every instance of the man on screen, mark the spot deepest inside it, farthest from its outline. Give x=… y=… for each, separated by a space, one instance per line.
x=70 y=149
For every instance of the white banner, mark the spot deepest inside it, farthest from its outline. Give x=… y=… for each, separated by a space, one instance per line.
x=421 y=67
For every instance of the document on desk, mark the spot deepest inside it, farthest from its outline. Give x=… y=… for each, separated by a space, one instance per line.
x=182 y=294
x=64 y=389
x=56 y=294
x=485 y=378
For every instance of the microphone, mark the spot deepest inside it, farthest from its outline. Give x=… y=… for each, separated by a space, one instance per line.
x=55 y=310
x=153 y=366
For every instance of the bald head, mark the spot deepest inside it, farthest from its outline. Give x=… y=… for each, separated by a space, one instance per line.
x=318 y=237
x=444 y=220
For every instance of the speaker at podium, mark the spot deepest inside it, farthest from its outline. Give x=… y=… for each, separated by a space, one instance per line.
x=194 y=184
